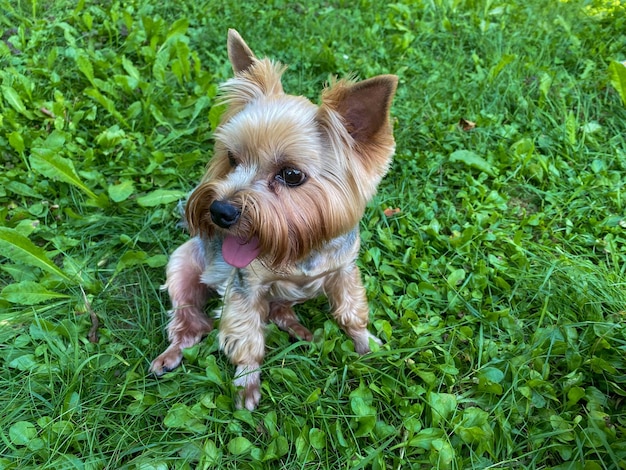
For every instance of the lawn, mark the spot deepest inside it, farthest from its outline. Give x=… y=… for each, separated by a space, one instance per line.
x=494 y=254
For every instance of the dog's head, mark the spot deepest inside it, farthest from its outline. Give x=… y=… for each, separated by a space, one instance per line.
x=287 y=175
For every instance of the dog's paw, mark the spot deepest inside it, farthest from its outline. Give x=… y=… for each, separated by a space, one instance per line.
x=285 y=318
x=362 y=343
x=169 y=360
x=300 y=332
x=248 y=397
x=248 y=382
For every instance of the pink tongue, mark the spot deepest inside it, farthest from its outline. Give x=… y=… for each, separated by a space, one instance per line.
x=239 y=252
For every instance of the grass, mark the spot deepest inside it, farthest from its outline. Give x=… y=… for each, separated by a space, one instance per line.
x=498 y=287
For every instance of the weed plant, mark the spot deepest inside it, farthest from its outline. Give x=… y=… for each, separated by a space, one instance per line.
x=497 y=286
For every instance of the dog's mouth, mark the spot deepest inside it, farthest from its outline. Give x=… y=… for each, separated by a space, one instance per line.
x=240 y=252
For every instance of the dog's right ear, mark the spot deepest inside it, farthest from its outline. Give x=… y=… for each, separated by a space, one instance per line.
x=240 y=55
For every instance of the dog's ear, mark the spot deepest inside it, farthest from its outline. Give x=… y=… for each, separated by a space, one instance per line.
x=361 y=110
x=240 y=55
x=364 y=106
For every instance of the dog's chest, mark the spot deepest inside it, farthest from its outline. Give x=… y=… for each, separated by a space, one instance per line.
x=294 y=292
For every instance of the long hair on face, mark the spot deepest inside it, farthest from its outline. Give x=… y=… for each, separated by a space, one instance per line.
x=289 y=222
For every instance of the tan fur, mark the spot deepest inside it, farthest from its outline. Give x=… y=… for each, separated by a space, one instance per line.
x=306 y=231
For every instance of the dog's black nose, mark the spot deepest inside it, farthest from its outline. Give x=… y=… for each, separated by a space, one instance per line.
x=224 y=214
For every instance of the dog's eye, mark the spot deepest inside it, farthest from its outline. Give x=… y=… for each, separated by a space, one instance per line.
x=231 y=159
x=291 y=177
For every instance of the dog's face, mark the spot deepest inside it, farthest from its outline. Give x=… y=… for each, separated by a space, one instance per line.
x=287 y=175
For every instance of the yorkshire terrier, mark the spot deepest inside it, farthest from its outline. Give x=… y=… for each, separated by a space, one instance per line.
x=275 y=218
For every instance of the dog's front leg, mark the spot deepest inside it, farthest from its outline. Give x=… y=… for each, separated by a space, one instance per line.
x=188 y=323
x=350 y=309
x=242 y=338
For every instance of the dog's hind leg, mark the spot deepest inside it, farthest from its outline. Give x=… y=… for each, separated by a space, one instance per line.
x=188 y=323
x=285 y=318
x=349 y=305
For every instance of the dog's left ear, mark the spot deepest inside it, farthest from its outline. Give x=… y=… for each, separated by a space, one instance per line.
x=240 y=55
x=364 y=106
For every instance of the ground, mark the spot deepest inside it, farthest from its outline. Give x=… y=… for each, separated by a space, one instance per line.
x=493 y=255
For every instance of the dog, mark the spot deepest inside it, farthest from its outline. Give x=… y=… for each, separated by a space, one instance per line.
x=274 y=221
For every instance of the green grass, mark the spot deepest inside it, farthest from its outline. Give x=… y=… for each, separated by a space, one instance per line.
x=498 y=288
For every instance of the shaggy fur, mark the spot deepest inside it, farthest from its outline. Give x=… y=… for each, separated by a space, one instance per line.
x=281 y=201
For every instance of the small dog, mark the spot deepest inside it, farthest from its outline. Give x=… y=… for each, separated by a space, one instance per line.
x=275 y=218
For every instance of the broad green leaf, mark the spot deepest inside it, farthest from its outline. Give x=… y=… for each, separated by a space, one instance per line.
x=571 y=124
x=523 y=149
x=364 y=393
x=55 y=141
x=160 y=64
x=71 y=403
x=130 y=68
x=284 y=375
x=601 y=365
x=29 y=293
x=110 y=137
x=504 y=61
x=444 y=454
x=456 y=277
x=302 y=446
x=181 y=67
x=375 y=253
x=22 y=432
x=16 y=141
x=473 y=160
x=428 y=377
x=202 y=103
x=340 y=438
x=365 y=415
x=134 y=110
x=424 y=439
x=276 y=449
x=106 y=103
x=545 y=83
x=131 y=258
x=121 y=191
x=37 y=444
x=23 y=362
x=84 y=65
x=215 y=115
x=271 y=423
x=442 y=406
x=474 y=427
x=158 y=115
x=575 y=394
x=21 y=250
x=160 y=196
x=617 y=75
x=51 y=165
x=239 y=445
x=22 y=189
x=178 y=416
x=42 y=329
x=213 y=371
x=313 y=396
x=211 y=452
x=563 y=427
x=591 y=127
x=317 y=438
x=157 y=261
x=13 y=98
x=178 y=28
x=493 y=374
